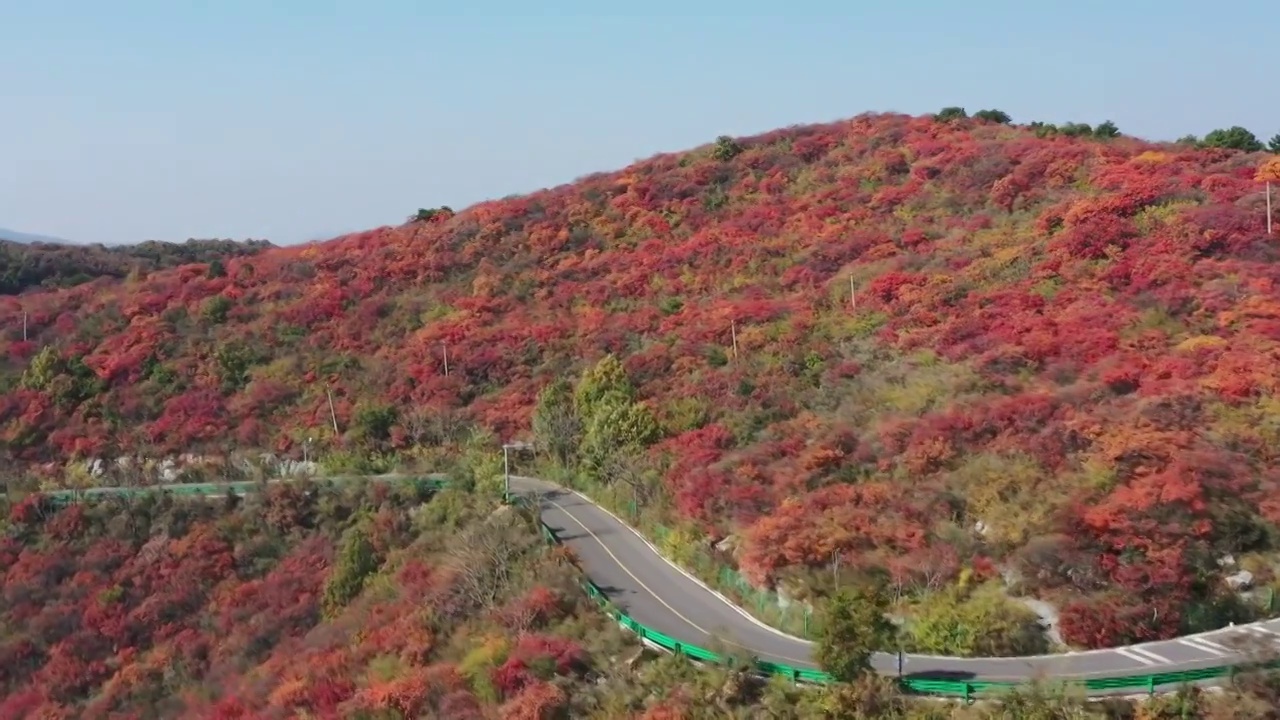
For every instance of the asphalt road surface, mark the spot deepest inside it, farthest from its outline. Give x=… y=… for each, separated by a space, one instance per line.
x=659 y=595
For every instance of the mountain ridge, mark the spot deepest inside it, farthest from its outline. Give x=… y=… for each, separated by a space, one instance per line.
x=29 y=238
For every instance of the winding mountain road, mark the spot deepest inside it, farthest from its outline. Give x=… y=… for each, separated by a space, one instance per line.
x=660 y=595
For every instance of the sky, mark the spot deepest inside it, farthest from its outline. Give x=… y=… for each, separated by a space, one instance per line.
x=298 y=120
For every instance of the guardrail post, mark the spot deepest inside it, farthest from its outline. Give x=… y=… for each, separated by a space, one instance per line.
x=968 y=694
x=1151 y=685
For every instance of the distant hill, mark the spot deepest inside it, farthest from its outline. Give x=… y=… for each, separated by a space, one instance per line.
x=27 y=264
x=21 y=237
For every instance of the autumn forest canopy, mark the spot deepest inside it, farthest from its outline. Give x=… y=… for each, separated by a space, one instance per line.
x=25 y=266
x=986 y=361
x=369 y=602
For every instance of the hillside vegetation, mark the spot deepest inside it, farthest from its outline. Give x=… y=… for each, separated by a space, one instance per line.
x=306 y=601
x=985 y=359
x=380 y=603
x=30 y=265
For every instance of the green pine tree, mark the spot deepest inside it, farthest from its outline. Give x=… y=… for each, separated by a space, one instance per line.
x=357 y=560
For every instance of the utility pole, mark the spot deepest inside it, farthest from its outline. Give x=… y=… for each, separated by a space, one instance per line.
x=333 y=415
x=733 y=329
x=506 y=473
x=1268 y=173
x=24 y=312
x=835 y=568
x=445 y=346
x=853 y=295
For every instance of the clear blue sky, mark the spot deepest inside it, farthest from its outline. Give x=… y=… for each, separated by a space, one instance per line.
x=293 y=120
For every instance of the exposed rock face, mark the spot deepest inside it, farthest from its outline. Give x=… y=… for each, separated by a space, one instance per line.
x=729 y=545
x=643 y=655
x=170 y=469
x=1242 y=580
x=1048 y=617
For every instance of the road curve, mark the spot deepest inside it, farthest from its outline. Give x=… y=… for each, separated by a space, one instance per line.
x=659 y=595
x=663 y=597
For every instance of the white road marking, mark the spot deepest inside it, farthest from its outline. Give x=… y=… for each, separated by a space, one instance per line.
x=1265 y=635
x=1206 y=645
x=1146 y=657
x=1240 y=636
x=1131 y=656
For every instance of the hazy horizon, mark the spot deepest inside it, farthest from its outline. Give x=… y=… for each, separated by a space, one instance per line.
x=295 y=121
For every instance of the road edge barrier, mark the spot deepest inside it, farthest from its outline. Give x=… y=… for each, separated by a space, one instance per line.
x=965 y=690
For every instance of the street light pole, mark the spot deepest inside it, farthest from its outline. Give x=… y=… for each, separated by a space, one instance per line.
x=506 y=465
x=897 y=634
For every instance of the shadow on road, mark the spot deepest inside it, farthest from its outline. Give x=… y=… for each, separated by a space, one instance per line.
x=566 y=536
x=952 y=675
x=549 y=495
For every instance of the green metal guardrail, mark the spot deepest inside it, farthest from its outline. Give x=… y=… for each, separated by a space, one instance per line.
x=240 y=487
x=921 y=686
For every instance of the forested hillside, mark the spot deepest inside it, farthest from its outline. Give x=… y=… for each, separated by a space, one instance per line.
x=371 y=602
x=30 y=265
x=972 y=354
x=381 y=603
